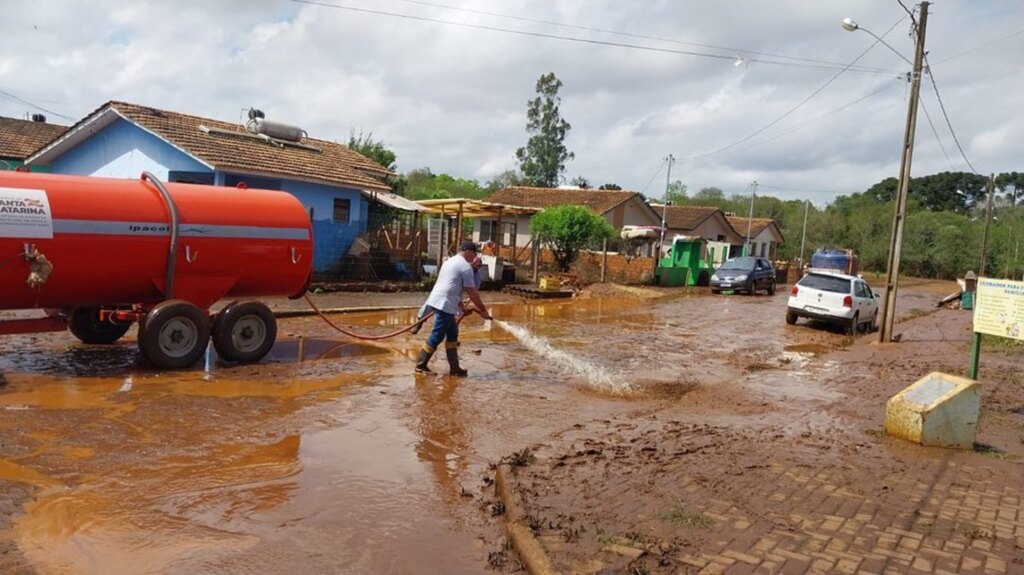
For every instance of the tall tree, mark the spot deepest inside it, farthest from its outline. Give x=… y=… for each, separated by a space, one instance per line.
x=506 y=179
x=373 y=149
x=710 y=194
x=542 y=160
x=676 y=193
x=581 y=182
x=610 y=187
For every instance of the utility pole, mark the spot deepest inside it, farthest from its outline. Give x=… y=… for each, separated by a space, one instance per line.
x=803 y=238
x=988 y=222
x=664 y=208
x=750 y=217
x=900 y=210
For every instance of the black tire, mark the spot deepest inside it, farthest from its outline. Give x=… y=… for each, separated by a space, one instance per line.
x=771 y=287
x=873 y=326
x=851 y=328
x=790 y=318
x=84 y=323
x=716 y=292
x=174 y=335
x=244 y=331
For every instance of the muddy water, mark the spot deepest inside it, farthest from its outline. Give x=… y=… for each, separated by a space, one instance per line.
x=330 y=456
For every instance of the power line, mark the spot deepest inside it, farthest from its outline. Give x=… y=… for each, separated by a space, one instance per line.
x=936 y=133
x=797 y=127
x=36 y=106
x=788 y=189
x=976 y=48
x=802 y=102
x=649 y=182
x=945 y=115
x=641 y=36
x=565 y=38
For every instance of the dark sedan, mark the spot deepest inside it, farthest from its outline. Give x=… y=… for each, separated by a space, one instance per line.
x=746 y=274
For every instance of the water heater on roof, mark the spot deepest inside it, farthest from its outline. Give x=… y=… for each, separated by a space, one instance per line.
x=276 y=130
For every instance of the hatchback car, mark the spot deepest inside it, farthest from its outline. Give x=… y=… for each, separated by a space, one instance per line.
x=745 y=274
x=835 y=298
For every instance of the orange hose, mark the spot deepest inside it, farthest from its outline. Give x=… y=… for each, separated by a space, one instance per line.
x=372 y=337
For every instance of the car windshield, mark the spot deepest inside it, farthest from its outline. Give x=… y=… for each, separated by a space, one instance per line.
x=741 y=265
x=825 y=283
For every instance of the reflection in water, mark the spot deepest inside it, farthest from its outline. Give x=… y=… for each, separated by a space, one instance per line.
x=444 y=438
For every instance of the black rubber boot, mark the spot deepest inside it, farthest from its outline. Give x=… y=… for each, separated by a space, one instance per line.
x=453 y=363
x=421 y=361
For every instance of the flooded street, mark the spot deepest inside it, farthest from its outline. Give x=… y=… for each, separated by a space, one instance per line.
x=343 y=461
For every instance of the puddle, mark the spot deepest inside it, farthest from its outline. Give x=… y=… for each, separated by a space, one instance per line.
x=338 y=458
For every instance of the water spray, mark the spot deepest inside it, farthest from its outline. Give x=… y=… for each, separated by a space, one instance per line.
x=596 y=377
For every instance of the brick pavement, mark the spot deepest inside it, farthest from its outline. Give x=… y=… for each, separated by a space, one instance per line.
x=862 y=505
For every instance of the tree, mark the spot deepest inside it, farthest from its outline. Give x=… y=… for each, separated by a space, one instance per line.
x=1011 y=184
x=676 y=193
x=422 y=184
x=610 y=187
x=373 y=149
x=568 y=229
x=710 y=194
x=542 y=160
x=581 y=182
x=506 y=179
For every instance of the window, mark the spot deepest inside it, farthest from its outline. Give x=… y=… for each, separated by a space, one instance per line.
x=825 y=282
x=190 y=177
x=341 y=209
x=488 y=230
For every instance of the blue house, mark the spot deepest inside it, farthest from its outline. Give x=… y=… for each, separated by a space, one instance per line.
x=338 y=186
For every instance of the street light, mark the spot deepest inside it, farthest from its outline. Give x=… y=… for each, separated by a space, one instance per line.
x=900 y=210
x=850 y=25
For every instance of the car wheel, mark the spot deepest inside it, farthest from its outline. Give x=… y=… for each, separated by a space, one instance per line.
x=873 y=326
x=771 y=287
x=851 y=328
x=790 y=318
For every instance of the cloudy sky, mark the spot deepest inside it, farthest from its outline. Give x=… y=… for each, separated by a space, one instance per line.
x=737 y=91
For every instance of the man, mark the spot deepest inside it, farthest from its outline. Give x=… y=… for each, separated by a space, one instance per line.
x=477 y=280
x=454 y=278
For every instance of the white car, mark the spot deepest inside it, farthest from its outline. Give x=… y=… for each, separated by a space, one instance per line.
x=834 y=298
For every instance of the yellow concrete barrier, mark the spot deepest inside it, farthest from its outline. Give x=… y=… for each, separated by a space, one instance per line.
x=938 y=409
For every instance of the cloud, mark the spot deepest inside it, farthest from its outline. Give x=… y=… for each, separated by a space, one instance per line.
x=453 y=98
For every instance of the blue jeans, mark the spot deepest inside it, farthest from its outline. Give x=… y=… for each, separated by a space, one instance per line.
x=445 y=328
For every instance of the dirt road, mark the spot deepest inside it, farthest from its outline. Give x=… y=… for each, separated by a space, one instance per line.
x=692 y=428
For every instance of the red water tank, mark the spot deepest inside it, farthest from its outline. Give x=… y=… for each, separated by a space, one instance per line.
x=110 y=243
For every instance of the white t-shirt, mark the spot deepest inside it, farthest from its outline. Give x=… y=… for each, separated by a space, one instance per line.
x=455 y=275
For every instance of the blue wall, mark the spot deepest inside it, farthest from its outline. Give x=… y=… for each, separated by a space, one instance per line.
x=331 y=241
x=123 y=150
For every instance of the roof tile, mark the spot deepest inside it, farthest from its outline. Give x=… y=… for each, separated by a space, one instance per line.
x=19 y=138
x=597 y=201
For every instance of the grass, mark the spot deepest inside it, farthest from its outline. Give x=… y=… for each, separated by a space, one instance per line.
x=603 y=537
x=683 y=518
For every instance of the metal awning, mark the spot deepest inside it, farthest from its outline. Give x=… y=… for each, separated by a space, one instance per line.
x=395 y=201
x=473 y=208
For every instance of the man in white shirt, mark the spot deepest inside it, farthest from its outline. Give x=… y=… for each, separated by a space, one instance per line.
x=453 y=279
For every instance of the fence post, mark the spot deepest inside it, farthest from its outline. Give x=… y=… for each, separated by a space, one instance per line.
x=604 y=258
x=536 y=258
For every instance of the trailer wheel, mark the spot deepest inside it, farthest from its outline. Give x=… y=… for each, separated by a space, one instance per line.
x=84 y=323
x=174 y=335
x=244 y=331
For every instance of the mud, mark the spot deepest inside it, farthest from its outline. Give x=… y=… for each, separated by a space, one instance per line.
x=330 y=456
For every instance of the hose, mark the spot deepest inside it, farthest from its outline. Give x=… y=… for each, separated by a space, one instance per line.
x=356 y=335
x=172 y=255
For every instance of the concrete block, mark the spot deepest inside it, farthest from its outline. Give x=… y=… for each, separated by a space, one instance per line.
x=939 y=410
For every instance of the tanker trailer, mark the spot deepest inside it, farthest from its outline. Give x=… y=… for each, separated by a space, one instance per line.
x=100 y=254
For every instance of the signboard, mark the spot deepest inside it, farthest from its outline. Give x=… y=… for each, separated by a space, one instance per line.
x=25 y=214
x=1000 y=308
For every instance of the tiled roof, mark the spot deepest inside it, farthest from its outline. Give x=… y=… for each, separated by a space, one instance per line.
x=757 y=225
x=238 y=150
x=686 y=217
x=19 y=138
x=597 y=201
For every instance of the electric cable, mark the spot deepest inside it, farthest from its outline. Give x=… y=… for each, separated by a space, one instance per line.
x=569 y=38
x=36 y=106
x=936 y=134
x=942 y=106
x=729 y=49
x=802 y=102
x=976 y=48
